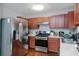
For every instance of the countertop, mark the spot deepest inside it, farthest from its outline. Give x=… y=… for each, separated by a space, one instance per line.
x=54 y=36
x=48 y=36
x=31 y=35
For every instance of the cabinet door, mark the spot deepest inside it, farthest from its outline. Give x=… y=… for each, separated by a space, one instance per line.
x=32 y=24
x=56 y=21
x=57 y=25
x=71 y=19
x=52 y=22
x=53 y=44
x=66 y=20
x=77 y=10
x=32 y=42
x=61 y=21
x=76 y=13
x=17 y=49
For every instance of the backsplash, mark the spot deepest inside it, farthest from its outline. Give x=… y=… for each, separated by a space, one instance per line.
x=44 y=27
x=66 y=31
x=33 y=31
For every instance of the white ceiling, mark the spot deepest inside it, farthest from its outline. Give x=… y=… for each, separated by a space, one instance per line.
x=50 y=8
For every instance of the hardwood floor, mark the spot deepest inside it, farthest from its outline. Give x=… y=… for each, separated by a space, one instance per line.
x=32 y=52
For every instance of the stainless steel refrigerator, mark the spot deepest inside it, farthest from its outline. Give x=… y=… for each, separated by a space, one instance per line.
x=7 y=27
x=6 y=36
x=0 y=35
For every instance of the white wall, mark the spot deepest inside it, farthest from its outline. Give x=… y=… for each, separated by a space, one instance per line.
x=0 y=10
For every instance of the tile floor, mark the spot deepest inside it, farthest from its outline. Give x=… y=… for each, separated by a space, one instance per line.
x=68 y=50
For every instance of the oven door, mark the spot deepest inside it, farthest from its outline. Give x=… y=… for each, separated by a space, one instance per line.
x=42 y=43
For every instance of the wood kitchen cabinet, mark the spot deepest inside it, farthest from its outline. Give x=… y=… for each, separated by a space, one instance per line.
x=31 y=42
x=33 y=22
x=52 y=21
x=71 y=19
x=53 y=44
x=17 y=49
x=62 y=21
x=56 y=21
x=76 y=13
x=66 y=21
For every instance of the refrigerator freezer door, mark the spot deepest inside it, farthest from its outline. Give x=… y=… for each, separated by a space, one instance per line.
x=0 y=35
x=6 y=37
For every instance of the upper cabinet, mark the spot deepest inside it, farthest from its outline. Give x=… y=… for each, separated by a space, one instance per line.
x=52 y=21
x=66 y=21
x=62 y=21
x=57 y=21
x=71 y=19
x=33 y=22
x=76 y=14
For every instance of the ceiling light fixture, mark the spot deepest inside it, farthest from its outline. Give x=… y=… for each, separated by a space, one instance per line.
x=38 y=7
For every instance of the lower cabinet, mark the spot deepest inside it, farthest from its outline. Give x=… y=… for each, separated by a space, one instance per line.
x=53 y=44
x=17 y=49
x=31 y=41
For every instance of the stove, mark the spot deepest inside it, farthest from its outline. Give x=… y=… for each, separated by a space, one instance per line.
x=41 y=44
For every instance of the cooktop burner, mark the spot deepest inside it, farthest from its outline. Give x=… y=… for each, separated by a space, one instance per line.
x=41 y=35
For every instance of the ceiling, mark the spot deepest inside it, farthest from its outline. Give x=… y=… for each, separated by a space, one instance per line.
x=50 y=8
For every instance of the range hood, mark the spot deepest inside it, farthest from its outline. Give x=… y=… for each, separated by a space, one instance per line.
x=43 y=23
